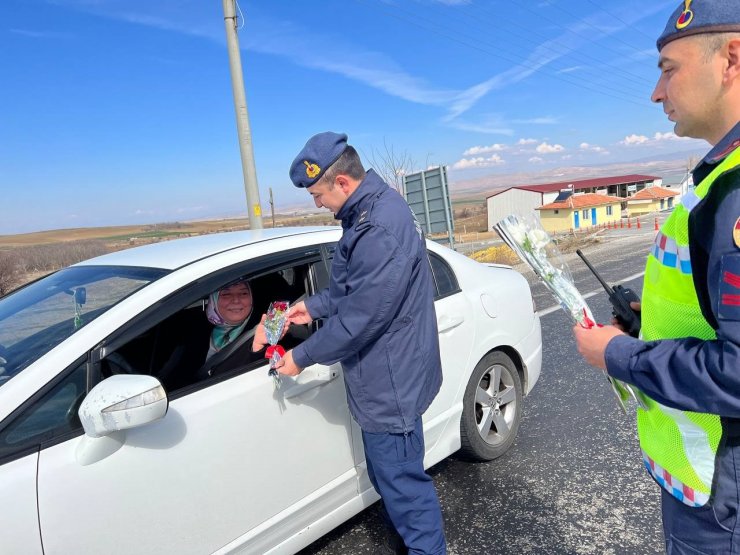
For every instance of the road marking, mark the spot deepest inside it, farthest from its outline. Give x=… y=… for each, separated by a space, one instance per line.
x=588 y=295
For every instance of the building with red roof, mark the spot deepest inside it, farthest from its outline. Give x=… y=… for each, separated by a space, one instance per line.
x=576 y=211
x=523 y=199
x=651 y=200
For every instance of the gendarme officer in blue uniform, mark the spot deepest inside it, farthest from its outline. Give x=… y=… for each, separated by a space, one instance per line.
x=686 y=365
x=381 y=325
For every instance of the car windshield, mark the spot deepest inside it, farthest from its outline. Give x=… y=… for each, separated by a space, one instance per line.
x=39 y=316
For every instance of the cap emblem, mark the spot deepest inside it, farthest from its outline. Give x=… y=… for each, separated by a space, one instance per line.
x=686 y=17
x=736 y=233
x=312 y=170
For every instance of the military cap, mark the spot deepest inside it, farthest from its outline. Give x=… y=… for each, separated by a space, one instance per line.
x=694 y=17
x=320 y=152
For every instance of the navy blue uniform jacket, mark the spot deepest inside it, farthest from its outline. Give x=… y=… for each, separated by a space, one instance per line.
x=379 y=309
x=690 y=374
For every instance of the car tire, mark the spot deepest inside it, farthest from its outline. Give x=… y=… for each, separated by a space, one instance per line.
x=492 y=408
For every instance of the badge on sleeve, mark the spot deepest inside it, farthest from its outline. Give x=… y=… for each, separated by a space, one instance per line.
x=729 y=288
x=736 y=233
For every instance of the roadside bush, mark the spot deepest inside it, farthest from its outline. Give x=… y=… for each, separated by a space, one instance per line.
x=501 y=254
x=47 y=258
x=574 y=241
x=21 y=265
x=9 y=272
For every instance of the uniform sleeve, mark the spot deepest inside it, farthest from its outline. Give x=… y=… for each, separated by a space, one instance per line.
x=319 y=305
x=377 y=274
x=691 y=374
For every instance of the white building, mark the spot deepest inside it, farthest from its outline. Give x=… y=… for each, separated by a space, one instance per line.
x=524 y=199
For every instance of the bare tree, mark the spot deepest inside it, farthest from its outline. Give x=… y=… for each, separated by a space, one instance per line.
x=391 y=165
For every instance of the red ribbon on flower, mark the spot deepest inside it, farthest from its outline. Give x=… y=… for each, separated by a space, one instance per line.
x=588 y=323
x=272 y=349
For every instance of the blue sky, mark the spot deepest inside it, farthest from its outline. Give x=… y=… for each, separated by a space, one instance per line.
x=120 y=111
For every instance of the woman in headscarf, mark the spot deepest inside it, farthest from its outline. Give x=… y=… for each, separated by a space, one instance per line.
x=228 y=310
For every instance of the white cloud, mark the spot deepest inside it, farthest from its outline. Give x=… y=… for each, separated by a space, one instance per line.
x=479 y=162
x=526 y=141
x=472 y=151
x=657 y=139
x=544 y=120
x=670 y=136
x=633 y=139
x=489 y=123
x=593 y=148
x=566 y=157
x=546 y=148
x=570 y=69
x=536 y=160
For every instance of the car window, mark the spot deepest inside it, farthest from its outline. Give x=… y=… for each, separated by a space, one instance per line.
x=52 y=415
x=36 y=318
x=445 y=281
x=179 y=350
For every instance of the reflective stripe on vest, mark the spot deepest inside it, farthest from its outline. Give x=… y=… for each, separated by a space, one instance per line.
x=679 y=447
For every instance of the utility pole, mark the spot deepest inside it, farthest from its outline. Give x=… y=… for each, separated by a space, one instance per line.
x=272 y=209
x=242 y=117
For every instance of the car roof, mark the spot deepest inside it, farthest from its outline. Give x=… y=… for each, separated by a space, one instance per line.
x=170 y=255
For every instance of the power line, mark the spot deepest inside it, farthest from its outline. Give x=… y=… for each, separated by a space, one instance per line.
x=579 y=57
x=626 y=95
x=582 y=55
x=562 y=9
x=610 y=14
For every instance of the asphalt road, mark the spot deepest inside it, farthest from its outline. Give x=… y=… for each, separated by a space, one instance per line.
x=573 y=481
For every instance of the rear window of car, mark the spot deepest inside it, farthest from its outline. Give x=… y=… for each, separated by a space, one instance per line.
x=38 y=317
x=445 y=281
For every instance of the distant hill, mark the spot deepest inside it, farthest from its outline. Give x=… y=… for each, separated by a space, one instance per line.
x=671 y=167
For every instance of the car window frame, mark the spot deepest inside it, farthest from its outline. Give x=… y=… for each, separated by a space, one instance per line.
x=455 y=290
x=192 y=292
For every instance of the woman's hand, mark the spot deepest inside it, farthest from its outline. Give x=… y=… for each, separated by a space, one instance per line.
x=260 y=337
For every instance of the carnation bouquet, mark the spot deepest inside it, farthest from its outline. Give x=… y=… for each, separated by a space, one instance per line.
x=277 y=316
x=533 y=245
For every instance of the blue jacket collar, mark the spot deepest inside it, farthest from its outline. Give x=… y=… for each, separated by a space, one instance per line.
x=371 y=186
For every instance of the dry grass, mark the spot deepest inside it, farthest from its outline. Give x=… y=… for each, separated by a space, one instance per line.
x=577 y=240
x=500 y=254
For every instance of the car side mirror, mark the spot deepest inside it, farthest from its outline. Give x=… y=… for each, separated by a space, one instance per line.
x=116 y=404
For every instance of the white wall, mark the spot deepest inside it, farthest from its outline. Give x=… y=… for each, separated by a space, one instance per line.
x=513 y=201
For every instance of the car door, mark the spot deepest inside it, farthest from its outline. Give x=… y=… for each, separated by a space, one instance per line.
x=235 y=463
x=456 y=329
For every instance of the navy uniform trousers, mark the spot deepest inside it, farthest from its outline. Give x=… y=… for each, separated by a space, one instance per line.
x=710 y=530
x=395 y=465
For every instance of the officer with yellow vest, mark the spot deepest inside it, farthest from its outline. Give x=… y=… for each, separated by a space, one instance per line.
x=686 y=364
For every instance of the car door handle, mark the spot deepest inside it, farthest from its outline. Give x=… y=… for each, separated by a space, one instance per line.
x=447 y=323
x=319 y=378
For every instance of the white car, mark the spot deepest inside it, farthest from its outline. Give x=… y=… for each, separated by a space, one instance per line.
x=108 y=446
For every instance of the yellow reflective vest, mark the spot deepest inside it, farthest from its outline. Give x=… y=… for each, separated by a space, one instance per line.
x=679 y=447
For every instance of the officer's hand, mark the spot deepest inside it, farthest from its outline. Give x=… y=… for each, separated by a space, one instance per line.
x=298 y=314
x=286 y=366
x=592 y=343
x=634 y=305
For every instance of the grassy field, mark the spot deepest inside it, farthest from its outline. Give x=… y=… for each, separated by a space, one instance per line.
x=469 y=217
x=121 y=236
